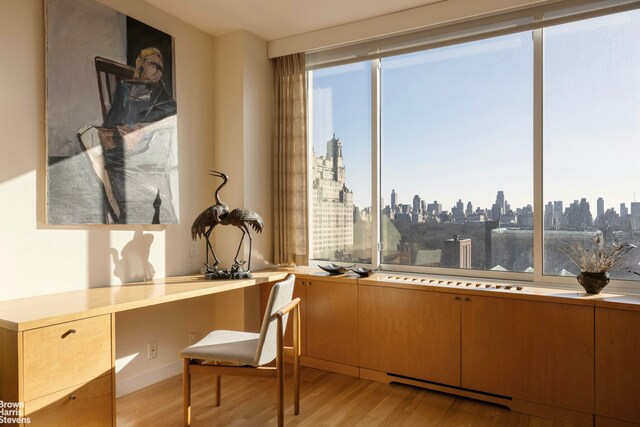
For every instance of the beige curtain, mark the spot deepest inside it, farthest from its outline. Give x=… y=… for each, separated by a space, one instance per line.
x=290 y=161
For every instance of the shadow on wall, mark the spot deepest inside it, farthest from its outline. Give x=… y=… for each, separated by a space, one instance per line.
x=132 y=263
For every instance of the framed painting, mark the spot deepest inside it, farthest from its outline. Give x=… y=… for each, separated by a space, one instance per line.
x=112 y=153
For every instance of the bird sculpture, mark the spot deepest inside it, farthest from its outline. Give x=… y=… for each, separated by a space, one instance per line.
x=244 y=219
x=205 y=222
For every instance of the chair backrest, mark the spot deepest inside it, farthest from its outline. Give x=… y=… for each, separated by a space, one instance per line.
x=109 y=74
x=281 y=294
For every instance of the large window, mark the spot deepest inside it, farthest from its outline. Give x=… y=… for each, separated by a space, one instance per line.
x=340 y=128
x=592 y=138
x=457 y=156
x=491 y=155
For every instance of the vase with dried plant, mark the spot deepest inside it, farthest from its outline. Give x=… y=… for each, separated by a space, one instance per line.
x=595 y=261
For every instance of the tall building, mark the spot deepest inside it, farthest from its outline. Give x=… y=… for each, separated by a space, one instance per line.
x=394 y=200
x=415 y=213
x=600 y=207
x=434 y=208
x=500 y=201
x=635 y=209
x=332 y=205
x=624 y=211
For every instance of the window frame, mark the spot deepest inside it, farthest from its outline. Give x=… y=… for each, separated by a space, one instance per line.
x=537 y=278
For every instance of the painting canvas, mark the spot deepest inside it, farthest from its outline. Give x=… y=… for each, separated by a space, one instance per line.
x=111 y=118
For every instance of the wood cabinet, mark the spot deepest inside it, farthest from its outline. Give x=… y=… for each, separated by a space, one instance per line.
x=62 y=372
x=539 y=352
x=409 y=332
x=618 y=364
x=86 y=405
x=65 y=355
x=332 y=321
x=535 y=351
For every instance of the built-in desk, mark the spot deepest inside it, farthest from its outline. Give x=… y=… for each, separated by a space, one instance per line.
x=57 y=352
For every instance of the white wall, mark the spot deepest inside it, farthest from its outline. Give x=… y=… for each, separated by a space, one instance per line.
x=39 y=259
x=243 y=111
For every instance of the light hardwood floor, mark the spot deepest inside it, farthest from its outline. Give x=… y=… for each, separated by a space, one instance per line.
x=327 y=399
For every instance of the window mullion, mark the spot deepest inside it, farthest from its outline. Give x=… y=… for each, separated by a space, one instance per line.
x=538 y=201
x=375 y=163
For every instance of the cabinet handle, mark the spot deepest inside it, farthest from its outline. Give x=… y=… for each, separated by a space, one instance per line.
x=69 y=332
x=72 y=397
x=457 y=298
x=467 y=299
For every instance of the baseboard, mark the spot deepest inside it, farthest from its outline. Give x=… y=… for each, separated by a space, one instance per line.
x=129 y=385
x=327 y=365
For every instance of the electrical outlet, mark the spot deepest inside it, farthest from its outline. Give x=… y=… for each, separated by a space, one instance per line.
x=152 y=350
x=194 y=248
x=192 y=338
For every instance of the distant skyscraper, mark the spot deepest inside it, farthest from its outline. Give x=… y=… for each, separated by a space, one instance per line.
x=415 y=214
x=624 y=212
x=557 y=213
x=600 y=207
x=332 y=205
x=548 y=215
x=469 y=210
x=500 y=201
x=434 y=208
x=394 y=199
x=416 y=204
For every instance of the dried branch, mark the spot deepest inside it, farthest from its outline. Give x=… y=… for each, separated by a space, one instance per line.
x=597 y=257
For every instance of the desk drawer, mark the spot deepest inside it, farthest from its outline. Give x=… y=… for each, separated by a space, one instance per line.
x=61 y=356
x=88 y=404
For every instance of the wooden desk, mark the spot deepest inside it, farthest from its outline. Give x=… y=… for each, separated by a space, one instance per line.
x=57 y=352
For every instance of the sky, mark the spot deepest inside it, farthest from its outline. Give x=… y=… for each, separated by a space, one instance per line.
x=457 y=122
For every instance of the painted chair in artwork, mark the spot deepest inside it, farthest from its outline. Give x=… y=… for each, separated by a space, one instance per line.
x=224 y=352
x=109 y=73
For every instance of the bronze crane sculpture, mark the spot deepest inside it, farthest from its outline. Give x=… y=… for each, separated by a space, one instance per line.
x=244 y=219
x=205 y=222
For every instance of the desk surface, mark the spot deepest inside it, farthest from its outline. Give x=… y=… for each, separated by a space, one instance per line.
x=34 y=312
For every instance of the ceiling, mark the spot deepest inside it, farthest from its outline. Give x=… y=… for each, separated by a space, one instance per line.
x=275 y=19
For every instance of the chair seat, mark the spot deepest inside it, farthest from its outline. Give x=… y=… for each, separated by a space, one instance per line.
x=232 y=347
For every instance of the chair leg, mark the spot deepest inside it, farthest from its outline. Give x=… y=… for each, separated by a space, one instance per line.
x=186 y=388
x=296 y=360
x=280 y=374
x=218 y=390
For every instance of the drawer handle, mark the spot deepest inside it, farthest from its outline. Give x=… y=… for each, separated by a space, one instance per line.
x=69 y=332
x=457 y=298
x=73 y=397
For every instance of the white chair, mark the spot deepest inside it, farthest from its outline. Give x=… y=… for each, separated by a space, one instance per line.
x=245 y=353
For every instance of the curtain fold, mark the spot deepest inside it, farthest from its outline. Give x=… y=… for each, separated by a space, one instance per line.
x=290 y=161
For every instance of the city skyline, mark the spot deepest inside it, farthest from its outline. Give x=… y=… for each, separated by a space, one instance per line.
x=591 y=117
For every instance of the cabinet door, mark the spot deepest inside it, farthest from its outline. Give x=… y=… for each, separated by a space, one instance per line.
x=410 y=332
x=89 y=404
x=535 y=351
x=332 y=321
x=66 y=354
x=618 y=364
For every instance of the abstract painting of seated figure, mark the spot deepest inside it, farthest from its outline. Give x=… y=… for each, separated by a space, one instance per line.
x=111 y=118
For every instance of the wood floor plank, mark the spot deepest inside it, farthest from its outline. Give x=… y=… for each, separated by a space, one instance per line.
x=326 y=399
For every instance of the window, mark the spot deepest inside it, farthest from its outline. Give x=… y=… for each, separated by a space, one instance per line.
x=591 y=138
x=492 y=154
x=457 y=156
x=340 y=130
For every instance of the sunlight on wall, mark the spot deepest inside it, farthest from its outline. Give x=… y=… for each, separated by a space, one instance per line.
x=124 y=361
